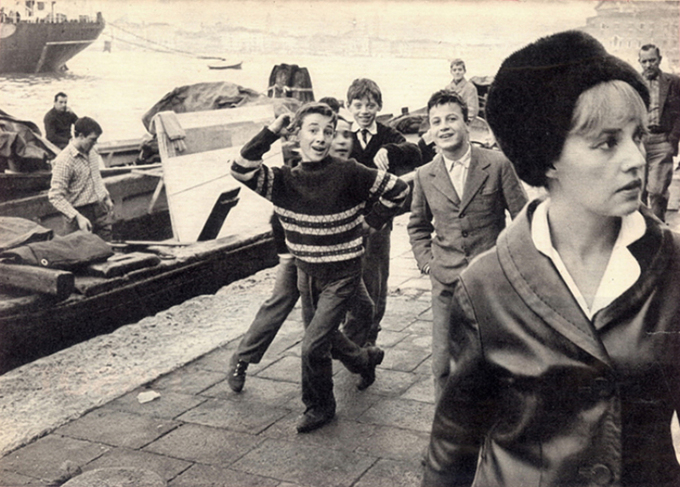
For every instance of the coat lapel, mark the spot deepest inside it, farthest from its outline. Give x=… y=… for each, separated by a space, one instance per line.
x=538 y=283
x=477 y=175
x=441 y=179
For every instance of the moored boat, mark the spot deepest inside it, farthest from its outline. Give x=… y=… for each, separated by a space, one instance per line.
x=238 y=65
x=34 y=44
x=178 y=264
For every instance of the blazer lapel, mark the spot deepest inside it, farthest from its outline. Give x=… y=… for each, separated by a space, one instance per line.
x=538 y=283
x=441 y=179
x=477 y=175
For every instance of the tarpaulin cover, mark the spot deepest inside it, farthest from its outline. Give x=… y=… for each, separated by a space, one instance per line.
x=214 y=96
x=20 y=143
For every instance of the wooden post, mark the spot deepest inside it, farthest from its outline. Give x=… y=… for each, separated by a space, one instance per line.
x=38 y=279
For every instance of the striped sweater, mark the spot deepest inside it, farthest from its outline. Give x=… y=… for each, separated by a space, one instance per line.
x=322 y=205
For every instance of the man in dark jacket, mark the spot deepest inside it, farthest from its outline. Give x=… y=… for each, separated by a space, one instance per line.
x=664 y=128
x=58 y=121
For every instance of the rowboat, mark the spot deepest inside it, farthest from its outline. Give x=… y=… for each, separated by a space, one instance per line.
x=238 y=65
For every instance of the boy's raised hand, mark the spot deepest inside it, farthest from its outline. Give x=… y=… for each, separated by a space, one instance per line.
x=381 y=159
x=281 y=122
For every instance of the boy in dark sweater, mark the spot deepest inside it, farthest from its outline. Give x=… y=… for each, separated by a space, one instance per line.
x=376 y=146
x=321 y=204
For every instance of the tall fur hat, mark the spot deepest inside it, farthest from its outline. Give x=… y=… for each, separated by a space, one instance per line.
x=533 y=96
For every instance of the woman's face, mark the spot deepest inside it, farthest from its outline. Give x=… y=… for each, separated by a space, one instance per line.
x=601 y=172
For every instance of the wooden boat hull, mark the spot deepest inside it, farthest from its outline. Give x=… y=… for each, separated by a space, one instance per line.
x=34 y=325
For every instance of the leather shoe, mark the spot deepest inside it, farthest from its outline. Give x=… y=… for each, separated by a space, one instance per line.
x=375 y=357
x=314 y=419
x=237 y=376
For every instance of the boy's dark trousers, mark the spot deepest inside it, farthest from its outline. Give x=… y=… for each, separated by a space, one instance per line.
x=376 y=271
x=324 y=304
x=272 y=313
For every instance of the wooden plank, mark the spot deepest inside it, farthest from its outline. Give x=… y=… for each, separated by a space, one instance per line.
x=195 y=178
x=120 y=264
x=38 y=279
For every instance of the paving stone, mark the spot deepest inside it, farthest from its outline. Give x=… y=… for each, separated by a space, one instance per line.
x=387 y=383
x=257 y=389
x=402 y=413
x=389 y=473
x=339 y=434
x=286 y=369
x=212 y=446
x=218 y=359
x=234 y=415
x=422 y=390
x=168 y=468
x=209 y=476
x=169 y=405
x=417 y=341
x=305 y=465
x=425 y=369
x=44 y=458
x=11 y=479
x=394 y=281
x=352 y=403
x=416 y=283
x=389 y=338
x=394 y=443
x=420 y=327
x=117 y=477
x=404 y=359
x=118 y=428
x=188 y=380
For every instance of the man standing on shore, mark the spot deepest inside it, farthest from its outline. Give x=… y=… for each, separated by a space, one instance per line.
x=664 y=128
x=58 y=121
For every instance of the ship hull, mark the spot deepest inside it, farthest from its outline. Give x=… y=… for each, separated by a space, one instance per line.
x=29 y=47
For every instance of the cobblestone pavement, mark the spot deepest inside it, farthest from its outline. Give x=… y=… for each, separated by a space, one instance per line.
x=81 y=409
x=199 y=433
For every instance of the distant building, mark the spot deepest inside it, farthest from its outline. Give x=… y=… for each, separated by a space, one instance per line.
x=624 y=26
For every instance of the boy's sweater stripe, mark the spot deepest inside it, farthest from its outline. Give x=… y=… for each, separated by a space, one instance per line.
x=329 y=253
x=322 y=205
x=336 y=220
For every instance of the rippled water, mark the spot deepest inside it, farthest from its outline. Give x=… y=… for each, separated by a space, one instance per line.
x=118 y=88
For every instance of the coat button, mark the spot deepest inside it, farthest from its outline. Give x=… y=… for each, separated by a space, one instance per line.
x=601 y=474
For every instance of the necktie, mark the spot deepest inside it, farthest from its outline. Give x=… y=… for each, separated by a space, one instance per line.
x=364 y=135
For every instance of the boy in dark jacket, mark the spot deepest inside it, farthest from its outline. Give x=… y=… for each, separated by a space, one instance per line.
x=321 y=204
x=382 y=147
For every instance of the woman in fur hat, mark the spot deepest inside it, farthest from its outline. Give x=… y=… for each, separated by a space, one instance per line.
x=566 y=335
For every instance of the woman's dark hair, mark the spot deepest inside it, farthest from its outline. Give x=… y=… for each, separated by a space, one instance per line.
x=532 y=99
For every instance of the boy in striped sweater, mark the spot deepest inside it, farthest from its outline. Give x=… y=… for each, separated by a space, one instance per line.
x=322 y=204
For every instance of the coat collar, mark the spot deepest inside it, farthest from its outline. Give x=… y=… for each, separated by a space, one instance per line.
x=477 y=174
x=534 y=278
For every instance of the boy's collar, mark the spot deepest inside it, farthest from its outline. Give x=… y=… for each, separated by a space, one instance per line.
x=372 y=129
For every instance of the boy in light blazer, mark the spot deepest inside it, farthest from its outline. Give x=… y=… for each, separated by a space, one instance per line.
x=458 y=211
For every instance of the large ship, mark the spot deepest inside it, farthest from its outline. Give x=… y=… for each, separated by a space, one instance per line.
x=34 y=43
